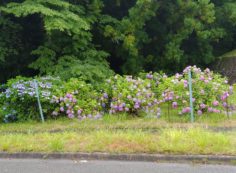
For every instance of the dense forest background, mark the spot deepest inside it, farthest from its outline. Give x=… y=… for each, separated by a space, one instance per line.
x=92 y=39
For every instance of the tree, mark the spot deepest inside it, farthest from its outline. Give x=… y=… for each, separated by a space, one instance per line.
x=67 y=36
x=81 y=38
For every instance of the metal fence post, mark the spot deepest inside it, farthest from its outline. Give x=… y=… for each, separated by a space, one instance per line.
x=190 y=95
x=38 y=99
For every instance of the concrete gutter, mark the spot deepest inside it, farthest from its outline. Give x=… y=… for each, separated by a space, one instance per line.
x=206 y=159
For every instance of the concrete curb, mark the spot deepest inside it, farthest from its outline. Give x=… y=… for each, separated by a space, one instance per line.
x=216 y=159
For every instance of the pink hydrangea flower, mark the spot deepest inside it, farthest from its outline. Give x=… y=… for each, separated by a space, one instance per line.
x=202 y=92
x=202 y=78
x=216 y=111
x=210 y=109
x=215 y=103
x=186 y=110
x=185 y=83
x=202 y=106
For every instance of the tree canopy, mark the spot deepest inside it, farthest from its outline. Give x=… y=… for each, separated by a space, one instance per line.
x=91 y=39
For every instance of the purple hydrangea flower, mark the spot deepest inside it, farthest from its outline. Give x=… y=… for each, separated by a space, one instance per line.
x=103 y=105
x=126 y=109
x=174 y=105
x=105 y=95
x=68 y=111
x=149 y=104
x=69 y=95
x=231 y=89
x=202 y=92
x=54 y=113
x=224 y=96
x=61 y=99
x=129 y=97
x=224 y=104
x=62 y=109
x=89 y=116
x=71 y=115
x=120 y=108
x=136 y=106
x=79 y=112
x=199 y=112
x=149 y=76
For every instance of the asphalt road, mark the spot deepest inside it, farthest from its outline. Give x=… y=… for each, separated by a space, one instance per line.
x=68 y=166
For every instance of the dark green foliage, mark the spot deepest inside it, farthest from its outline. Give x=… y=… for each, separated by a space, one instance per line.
x=80 y=38
x=66 y=48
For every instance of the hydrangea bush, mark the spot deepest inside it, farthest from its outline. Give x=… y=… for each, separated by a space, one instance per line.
x=77 y=99
x=210 y=91
x=154 y=79
x=126 y=94
x=119 y=94
x=20 y=99
x=73 y=98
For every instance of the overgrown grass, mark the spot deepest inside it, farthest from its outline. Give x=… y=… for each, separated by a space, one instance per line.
x=121 y=134
x=175 y=141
